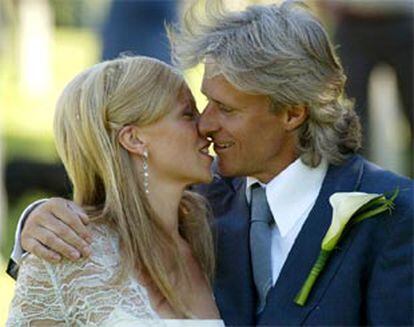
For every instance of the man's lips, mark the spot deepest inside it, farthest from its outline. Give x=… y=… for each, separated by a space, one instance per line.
x=222 y=146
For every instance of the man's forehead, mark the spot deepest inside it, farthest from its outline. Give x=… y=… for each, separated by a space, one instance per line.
x=211 y=68
x=210 y=84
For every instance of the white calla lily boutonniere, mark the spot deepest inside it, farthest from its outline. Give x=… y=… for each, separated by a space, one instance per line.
x=348 y=209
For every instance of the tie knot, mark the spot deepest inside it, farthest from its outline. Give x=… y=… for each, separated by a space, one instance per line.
x=260 y=210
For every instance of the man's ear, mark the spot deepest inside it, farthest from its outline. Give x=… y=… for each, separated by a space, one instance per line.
x=295 y=116
x=129 y=138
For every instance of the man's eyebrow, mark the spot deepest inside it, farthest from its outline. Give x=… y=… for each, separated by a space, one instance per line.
x=215 y=100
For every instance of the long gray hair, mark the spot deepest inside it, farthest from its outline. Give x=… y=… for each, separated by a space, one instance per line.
x=281 y=51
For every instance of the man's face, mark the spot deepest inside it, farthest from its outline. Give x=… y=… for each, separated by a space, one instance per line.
x=249 y=139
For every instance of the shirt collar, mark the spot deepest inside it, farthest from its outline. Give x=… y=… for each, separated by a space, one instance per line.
x=292 y=192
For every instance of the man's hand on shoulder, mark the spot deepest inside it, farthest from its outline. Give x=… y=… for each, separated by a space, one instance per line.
x=57 y=228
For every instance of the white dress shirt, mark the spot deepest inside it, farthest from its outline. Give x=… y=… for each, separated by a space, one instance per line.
x=291 y=196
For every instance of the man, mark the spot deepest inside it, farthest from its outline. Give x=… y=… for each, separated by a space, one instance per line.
x=277 y=114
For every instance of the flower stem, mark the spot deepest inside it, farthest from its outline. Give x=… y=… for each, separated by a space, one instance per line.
x=371 y=213
x=318 y=266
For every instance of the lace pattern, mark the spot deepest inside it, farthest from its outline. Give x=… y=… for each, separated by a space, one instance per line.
x=78 y=293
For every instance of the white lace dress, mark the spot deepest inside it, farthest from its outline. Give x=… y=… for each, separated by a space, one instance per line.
x=80 y=293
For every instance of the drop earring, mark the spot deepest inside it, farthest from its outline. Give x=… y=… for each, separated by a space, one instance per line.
x=146 y=174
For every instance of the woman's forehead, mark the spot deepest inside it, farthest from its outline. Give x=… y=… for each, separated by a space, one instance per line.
x=185 y=96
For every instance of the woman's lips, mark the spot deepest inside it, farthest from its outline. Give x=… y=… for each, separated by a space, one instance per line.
x=204 y=150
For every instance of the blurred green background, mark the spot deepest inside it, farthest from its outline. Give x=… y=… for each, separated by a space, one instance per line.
x=26 y=109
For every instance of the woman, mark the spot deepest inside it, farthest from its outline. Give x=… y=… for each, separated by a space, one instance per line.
x=126 y=132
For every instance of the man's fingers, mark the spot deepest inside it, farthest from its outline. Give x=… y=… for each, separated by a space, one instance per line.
x=67 y=237
x=79 y=211
x=57 y=226
x=72 y=216
x=85 y=219
x=56 y=244
x=41 y=251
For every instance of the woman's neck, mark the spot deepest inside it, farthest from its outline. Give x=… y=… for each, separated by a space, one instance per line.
x=165 y=199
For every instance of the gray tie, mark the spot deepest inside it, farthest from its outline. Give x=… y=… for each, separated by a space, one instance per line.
x=260 y=242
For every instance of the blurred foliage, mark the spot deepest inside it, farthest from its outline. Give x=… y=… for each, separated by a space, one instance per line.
x=79 y=13
x=67 y=13
x=30 y=147
x=28 y=120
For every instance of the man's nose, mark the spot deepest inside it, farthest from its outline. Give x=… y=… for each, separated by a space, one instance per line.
x=208 y=122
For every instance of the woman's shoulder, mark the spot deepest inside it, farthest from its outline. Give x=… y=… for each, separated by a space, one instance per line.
x=104 y=256
x=88 y=289
x=105 y=240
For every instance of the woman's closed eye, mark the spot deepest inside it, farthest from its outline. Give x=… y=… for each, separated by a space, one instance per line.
x=190 y=114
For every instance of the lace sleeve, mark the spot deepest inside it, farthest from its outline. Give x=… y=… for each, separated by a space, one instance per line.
x=82 y=293
x=36 y=301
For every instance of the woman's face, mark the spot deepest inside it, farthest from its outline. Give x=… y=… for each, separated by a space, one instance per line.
x=176 y=151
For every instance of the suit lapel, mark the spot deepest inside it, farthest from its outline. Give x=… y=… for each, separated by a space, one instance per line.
x=233 y=284
x=280 y=308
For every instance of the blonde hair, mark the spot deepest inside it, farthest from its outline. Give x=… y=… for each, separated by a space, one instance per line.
x=281 y=51
x=92 y=109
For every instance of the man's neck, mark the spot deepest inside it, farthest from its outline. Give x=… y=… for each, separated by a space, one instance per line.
x=274 y=169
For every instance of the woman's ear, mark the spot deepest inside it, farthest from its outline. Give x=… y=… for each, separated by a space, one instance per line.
x=129 y=138
x=295 y=116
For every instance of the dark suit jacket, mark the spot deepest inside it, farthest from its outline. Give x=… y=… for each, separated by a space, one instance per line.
x=368 y=280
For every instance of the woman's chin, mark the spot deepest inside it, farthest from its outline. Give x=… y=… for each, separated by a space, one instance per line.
x=205 y=178
x=209 y=178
